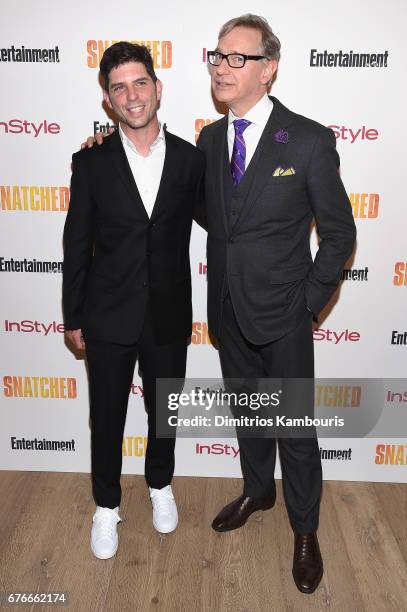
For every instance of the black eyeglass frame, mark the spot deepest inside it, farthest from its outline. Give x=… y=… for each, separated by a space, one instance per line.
x=227 y=55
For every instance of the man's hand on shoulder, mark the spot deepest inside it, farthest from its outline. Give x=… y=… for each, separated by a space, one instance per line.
x=75 y=338
x=98 y=138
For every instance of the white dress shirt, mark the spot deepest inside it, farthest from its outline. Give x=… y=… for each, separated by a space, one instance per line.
x=147 y=171
x=259 y=115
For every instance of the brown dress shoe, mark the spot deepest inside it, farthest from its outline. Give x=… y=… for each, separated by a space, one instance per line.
x=235 y=514
x=307 y=562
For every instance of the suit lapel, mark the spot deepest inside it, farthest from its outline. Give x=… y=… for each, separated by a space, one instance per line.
x=170 y=170
x=122 y=167
x=219 y=158
x=266 y=156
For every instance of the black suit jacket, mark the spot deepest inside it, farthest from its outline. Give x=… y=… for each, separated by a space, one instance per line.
x=265 y=257
x=117 y=259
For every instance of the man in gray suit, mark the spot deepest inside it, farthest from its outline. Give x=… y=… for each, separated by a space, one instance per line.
x=270 y=172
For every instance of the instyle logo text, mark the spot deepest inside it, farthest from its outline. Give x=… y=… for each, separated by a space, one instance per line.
x=353 y=135
x=330 y=335
x=35 y=129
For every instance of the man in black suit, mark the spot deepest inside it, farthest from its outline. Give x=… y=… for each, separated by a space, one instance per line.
x=127 y=280
x=269 y=173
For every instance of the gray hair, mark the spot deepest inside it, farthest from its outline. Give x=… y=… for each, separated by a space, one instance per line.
x=270 y=43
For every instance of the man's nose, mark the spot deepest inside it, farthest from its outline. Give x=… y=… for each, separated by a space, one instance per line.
x=132 y=93
x=223 y=67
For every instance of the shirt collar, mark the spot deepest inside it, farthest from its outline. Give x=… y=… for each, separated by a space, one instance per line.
x=129 y=145
x=258 y=114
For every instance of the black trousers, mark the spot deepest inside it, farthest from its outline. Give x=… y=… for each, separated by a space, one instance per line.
x=290 y=356
x=111 y=369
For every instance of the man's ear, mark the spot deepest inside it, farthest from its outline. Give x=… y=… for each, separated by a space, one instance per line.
x=269 y=69
x=107 y=98
x=158 y=88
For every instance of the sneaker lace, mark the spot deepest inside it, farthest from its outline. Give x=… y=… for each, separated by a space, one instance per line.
x=106 y=522
x=163 y=501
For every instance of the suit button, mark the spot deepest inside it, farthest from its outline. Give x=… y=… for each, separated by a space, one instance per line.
x=145 y=284
x=149 y=253
x=231 y=240
x=233 y=212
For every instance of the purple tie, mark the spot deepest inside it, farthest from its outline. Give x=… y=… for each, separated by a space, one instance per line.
x=238 y=159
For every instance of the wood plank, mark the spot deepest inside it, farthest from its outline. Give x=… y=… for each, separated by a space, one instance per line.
x=393 y=504
x=46 y=519
x=375 y=557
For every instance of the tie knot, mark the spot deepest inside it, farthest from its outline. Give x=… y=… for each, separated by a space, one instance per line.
x=240 y=125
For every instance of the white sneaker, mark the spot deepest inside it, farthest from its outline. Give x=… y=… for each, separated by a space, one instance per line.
x=104 y=540
x=165 y=514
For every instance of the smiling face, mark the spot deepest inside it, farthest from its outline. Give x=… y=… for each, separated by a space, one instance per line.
x=133 y=96
x=241 y=88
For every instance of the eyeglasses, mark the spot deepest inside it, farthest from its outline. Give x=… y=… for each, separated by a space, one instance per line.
x=235 y=60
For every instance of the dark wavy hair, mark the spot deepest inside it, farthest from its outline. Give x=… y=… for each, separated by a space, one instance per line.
x=122 y=53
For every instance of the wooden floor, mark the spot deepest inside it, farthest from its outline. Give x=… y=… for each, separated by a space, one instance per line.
x=45 y=523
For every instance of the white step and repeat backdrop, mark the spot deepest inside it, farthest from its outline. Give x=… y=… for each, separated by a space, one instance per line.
x=51 y=100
